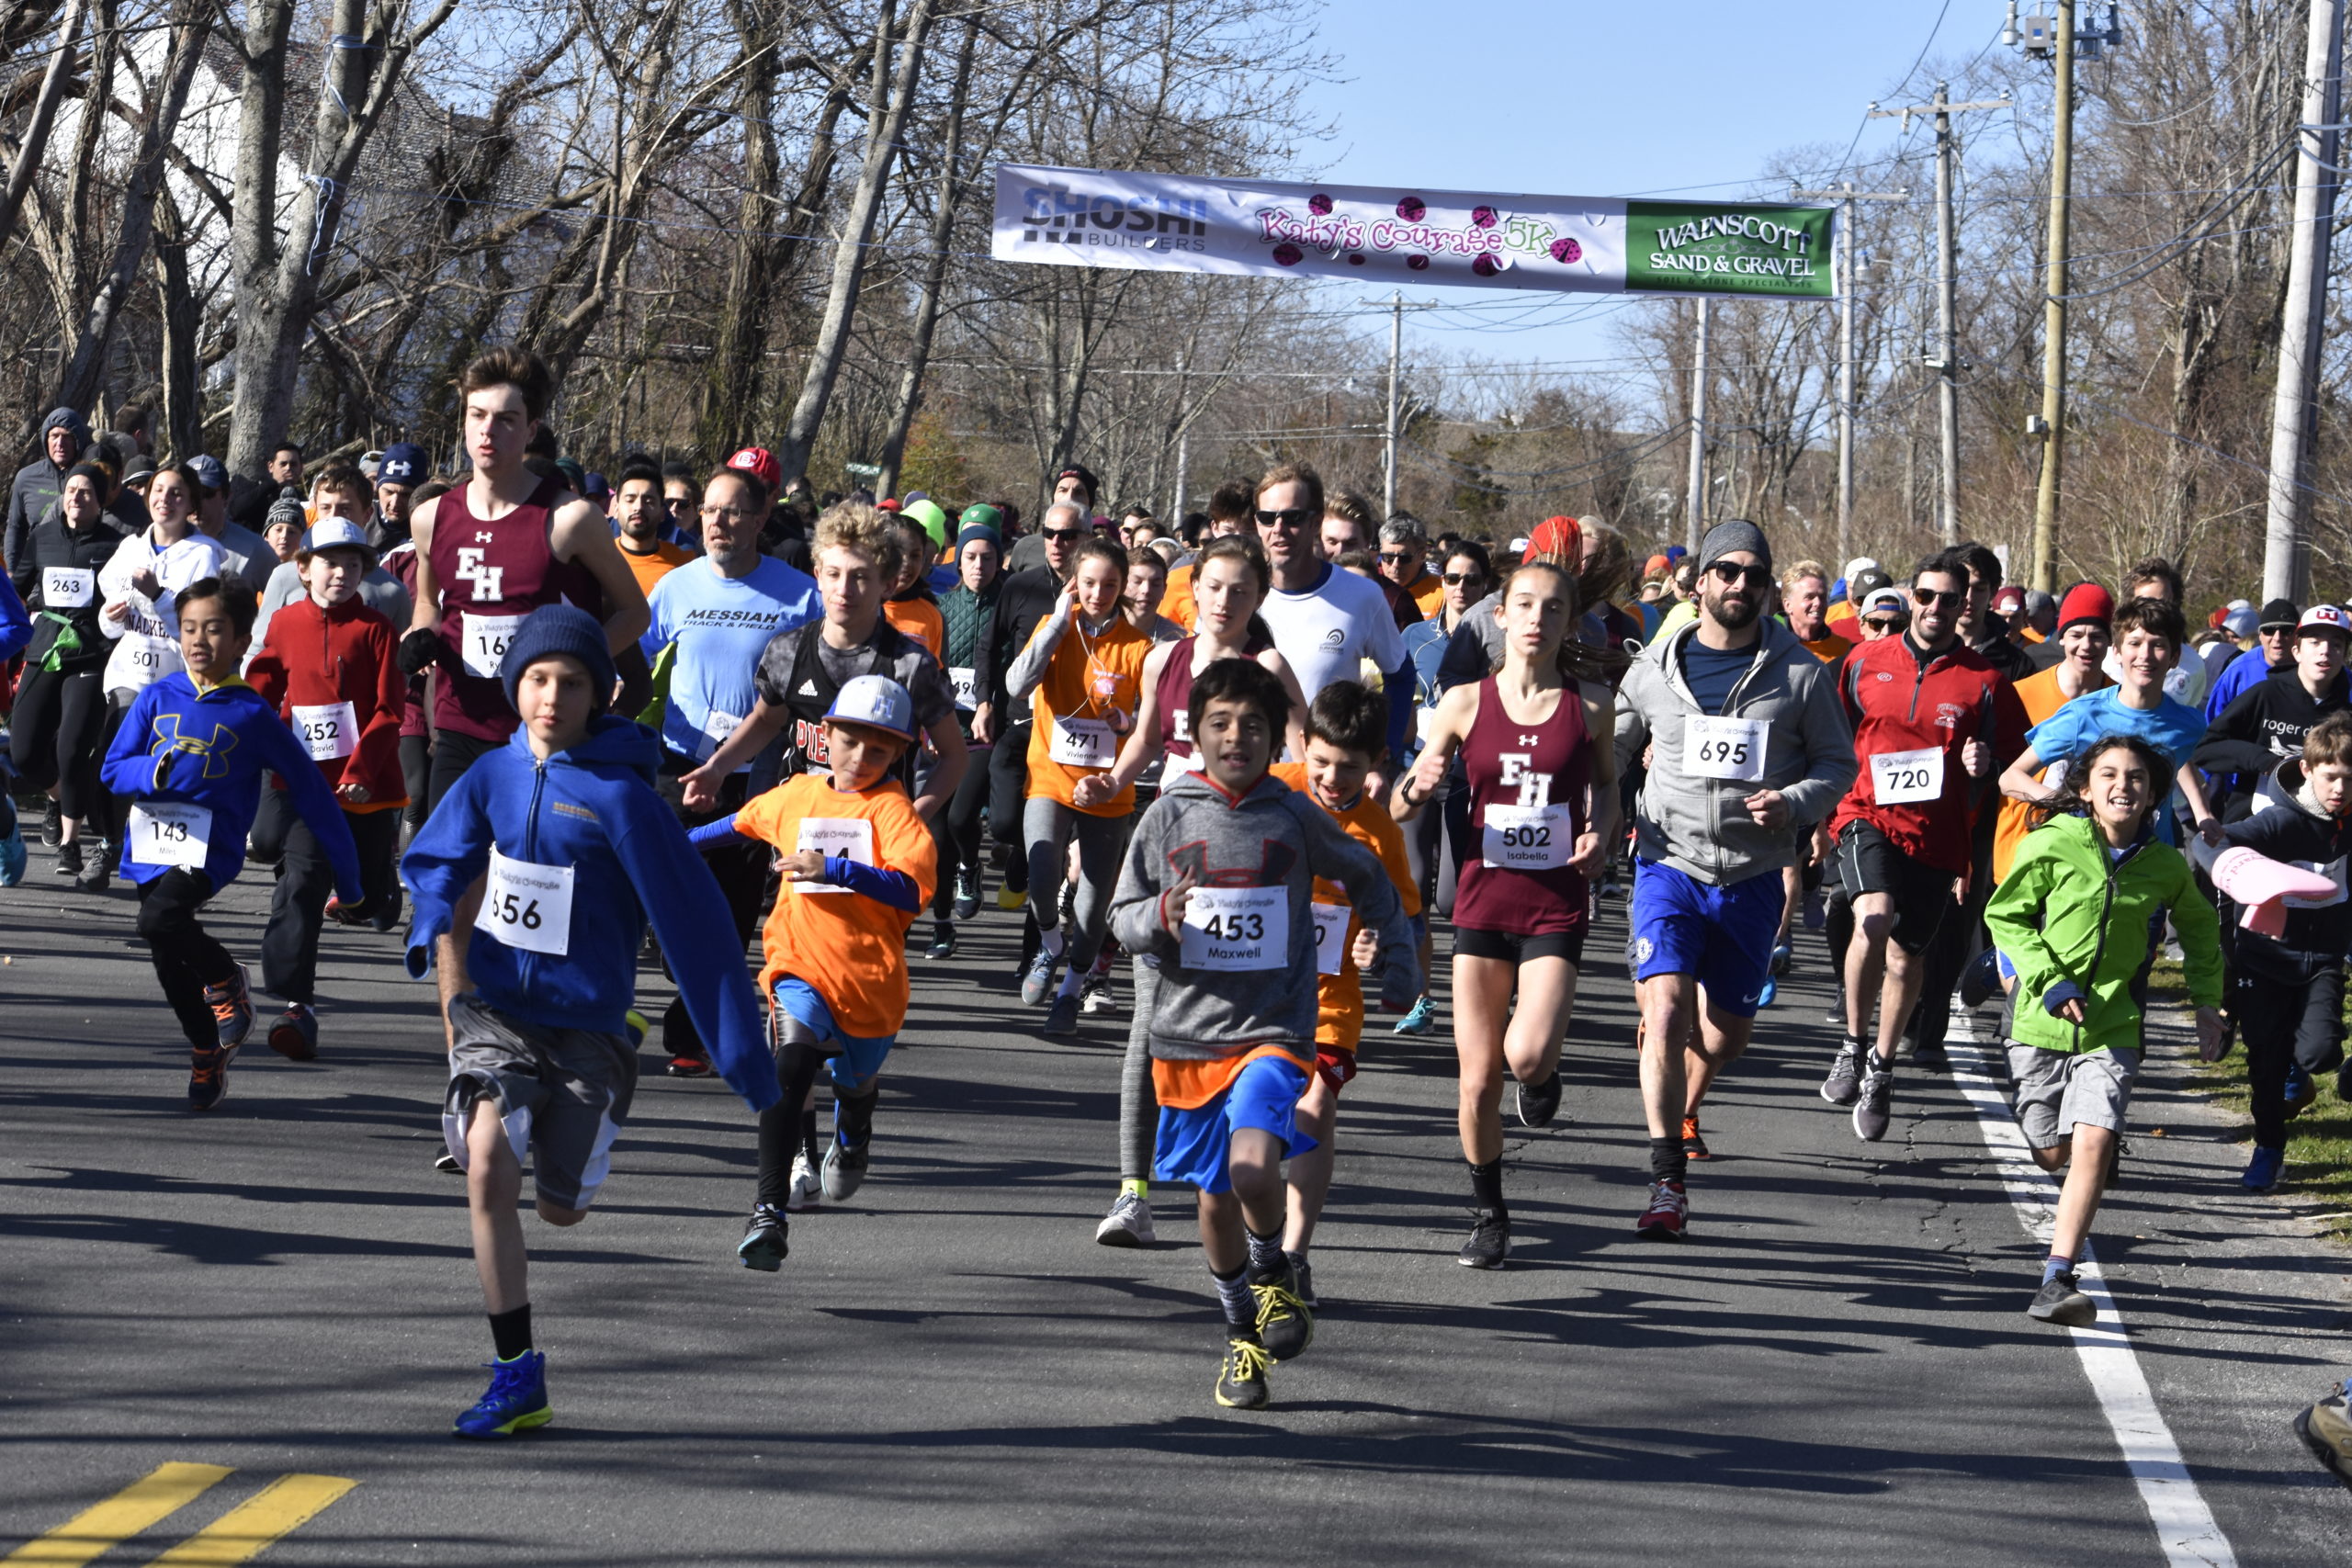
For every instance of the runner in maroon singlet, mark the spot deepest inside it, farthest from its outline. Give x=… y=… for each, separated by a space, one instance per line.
x=1230 y=583
x=1535 y=744
x=488 y=553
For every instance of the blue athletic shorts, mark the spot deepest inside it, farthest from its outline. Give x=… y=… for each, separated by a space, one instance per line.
x=1721 y=936
x=860 y=1058
x=1192 y=1144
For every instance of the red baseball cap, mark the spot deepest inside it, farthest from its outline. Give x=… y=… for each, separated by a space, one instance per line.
x=761 y=464
x=1555 y=537
x=2008 y=600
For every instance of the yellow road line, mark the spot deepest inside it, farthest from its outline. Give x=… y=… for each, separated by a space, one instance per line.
x=247 y=1530
x=156 y=1495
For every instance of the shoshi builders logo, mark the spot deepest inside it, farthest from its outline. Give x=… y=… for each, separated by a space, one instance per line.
x=1492 y=240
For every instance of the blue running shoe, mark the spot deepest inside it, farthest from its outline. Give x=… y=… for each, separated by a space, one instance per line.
x=1037 y=980
x=2302 y=1089
x=12 y=857
x=517 y=1400
x=1420 y=1021
x=1771 y=990
x=2263 y=1171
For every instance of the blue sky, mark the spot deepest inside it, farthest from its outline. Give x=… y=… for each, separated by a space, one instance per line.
x=1578 y=98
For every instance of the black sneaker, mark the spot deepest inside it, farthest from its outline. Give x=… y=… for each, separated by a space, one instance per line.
x=764 y=1246
x=1538 y=1104
x=1845 y=1080
x=69 y=860
x=1873 y=1104
x=207 y=1076
x=943 y=941
x=968 y=895
x=52 y=826
x=1302 y=1280
x=98 y=870
x=1489 y=1241
x=1285 y=1323
x=1061 y=1018
x=1981 y=979
x=1241 y=1380
x=2061 y=1301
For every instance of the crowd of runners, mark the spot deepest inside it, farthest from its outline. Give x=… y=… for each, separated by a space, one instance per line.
x=1226 y=771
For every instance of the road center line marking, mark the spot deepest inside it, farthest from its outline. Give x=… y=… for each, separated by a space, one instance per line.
x=2184 y=1526
x=247 y=1530
x=155 y=1496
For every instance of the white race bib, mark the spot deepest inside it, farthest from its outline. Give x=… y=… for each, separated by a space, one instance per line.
x=485 y=638
x=67 y=587
x=1899 y=778
x=1237 y=928
x=967 y=685
x=1722 y=747
x=1424 y=720
x=1331 y=938
x=527 y=905
x=715 y=731
x=170 y=832
x=329 y=729
x=1082 y=743
x=851 y=835
x=1527 y=838
x=146 y=654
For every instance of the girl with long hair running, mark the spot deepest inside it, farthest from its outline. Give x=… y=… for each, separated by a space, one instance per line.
x=1534 y=738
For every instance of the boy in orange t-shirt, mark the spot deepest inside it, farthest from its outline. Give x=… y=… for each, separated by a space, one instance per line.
x=835 y=967
x=1346 y=731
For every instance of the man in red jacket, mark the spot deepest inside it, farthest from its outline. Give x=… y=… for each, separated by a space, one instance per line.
x=1933 y=721
x=330 y=665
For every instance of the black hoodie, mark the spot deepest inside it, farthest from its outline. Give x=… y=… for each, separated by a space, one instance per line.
x=2287 y=824
x=2266 y=722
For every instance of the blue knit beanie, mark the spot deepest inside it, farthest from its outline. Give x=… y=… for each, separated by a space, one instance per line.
x=560 y=628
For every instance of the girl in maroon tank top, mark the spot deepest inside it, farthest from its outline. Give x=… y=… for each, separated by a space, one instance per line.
x=492 y=574
x=1534 y=741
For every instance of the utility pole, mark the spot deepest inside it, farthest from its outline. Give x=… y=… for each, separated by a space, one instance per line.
x=1183 y=440
x=1398 y=305
x=2285 y=548
x=2054 y=38
x=1845 y=194
x=1945 y=361
x=1697 y=518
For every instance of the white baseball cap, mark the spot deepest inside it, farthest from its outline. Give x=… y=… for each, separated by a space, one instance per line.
x=879 y=703
x=1884 y=599
x=2325 y=619
x=338 y=534
x=1859 y=565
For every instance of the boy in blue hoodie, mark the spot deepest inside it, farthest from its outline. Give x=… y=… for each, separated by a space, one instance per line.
x=189 y=762
x=579 y=852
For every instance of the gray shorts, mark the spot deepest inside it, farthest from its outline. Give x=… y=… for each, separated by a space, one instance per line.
x=563 y=1094
x=2056 y=1091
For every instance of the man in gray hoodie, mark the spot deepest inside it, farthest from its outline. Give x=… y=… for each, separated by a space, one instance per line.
x=1217 y=893
x=62 y=436
x=1748 y=749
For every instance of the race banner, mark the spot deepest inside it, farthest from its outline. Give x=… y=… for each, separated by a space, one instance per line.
x=1389 y=235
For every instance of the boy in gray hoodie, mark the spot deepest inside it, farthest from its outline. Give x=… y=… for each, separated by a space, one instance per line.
x=1217 y=890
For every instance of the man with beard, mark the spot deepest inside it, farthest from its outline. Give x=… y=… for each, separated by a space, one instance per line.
x=1749 y=747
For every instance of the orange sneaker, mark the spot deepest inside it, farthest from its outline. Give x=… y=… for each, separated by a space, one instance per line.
x=1693 y=1145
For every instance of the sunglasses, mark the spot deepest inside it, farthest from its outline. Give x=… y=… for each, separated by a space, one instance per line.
x=1457 y=579
x=1051 y=533
x=1394 y=558
x=1728 y=572
x=1288 y=517
x=1924 y=596
x=1885 y=623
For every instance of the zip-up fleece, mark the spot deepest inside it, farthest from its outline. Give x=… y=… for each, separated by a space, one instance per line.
x=314 y=656
x=1698 y=824
x=1270 y=837
x=591 y=808
x=210 y=748
x=1898 y=702
x=2074 y=920
x=2287 y=824
x=2267 y=721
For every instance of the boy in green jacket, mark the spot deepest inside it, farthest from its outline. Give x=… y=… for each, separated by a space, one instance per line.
x=2089 y=888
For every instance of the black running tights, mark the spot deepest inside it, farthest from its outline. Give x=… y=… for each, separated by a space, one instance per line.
x=186 y=958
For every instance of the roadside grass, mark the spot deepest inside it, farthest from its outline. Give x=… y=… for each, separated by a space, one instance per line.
x=2319 y=1142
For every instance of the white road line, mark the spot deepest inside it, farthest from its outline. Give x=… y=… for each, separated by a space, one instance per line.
x=2184 y=1526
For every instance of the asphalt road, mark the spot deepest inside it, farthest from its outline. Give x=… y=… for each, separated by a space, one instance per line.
x=1835 y=1368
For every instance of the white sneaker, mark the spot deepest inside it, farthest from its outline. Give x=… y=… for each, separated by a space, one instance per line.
x=1128 y=1223
x=805 y=1188
x=1095 y=996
